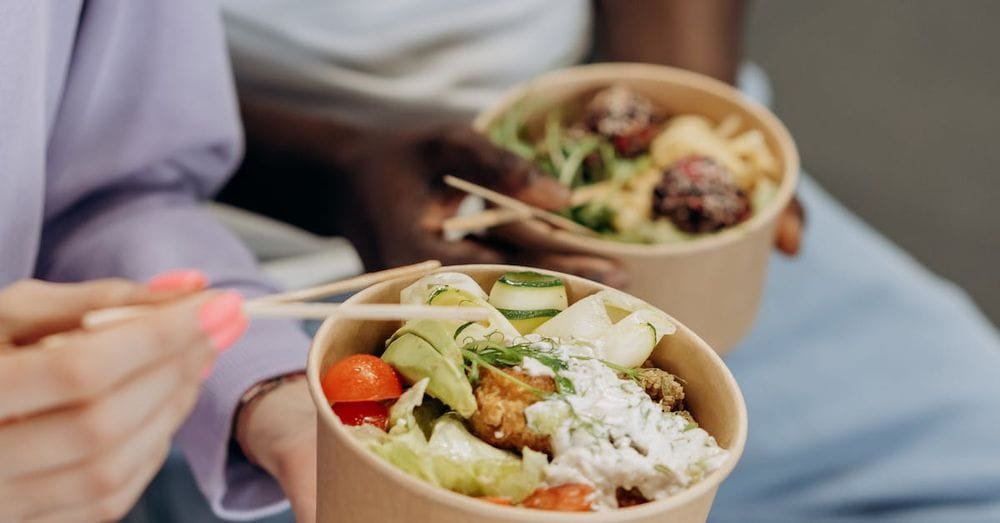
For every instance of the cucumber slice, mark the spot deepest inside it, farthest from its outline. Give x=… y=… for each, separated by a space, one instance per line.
x=620 y=305
x=512 y=314
x=625 y=328
x=630 y=341
x=529 y=279
x=420 y=291
x=528 y=299
x=586 y=319
x=527 y=321
x=450 y=296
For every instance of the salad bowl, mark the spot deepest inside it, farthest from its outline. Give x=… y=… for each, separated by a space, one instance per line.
x=711 y=282
x=356 y=485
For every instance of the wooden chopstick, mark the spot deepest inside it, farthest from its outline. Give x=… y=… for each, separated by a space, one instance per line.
x=288 y=304
x=350 y=284
x=365 y=311
x=513 y=203
x=317 y=311
x=483 y=220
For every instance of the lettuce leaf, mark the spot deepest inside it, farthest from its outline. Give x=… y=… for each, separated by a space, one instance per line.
x=464 y=463
x=453 y=458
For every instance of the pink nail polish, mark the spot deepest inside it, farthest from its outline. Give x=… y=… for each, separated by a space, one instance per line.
x=178 y=280
x=217 y=313
x=223 y=338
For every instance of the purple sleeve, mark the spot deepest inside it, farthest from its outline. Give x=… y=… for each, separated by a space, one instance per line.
x=147 y=127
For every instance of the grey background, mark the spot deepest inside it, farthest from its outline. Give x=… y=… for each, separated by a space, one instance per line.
x=895 y=105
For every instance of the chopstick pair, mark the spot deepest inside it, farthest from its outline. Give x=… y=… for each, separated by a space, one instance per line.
x=511 y=210
x=291 y=304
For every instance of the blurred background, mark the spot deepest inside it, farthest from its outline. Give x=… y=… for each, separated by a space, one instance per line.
x=895 y=106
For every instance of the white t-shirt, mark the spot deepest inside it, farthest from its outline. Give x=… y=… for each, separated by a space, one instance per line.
x=399 y=62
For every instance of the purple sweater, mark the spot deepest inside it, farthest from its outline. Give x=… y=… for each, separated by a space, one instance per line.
x=116 y=118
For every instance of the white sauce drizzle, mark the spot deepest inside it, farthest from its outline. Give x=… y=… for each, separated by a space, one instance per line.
x=610 y=434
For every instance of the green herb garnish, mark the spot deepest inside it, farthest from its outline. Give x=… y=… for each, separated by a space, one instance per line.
x=461 y=328
x=494 y=355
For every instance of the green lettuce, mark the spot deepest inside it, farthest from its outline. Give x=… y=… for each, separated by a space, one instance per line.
x=453 y=458
x=465 y=464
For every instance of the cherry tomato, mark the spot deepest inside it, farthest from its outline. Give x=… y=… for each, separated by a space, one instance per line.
x=363 y=412
x=496 y=500
x=361 y=377
x=568 y=498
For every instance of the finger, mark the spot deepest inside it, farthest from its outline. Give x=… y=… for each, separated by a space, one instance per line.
x=113 y=507
x=788 y=236
x=602 y=270
x=426 y=242
x=84 y=364
x=467 y=154
x=107 y=474
x=31 y=309
x=60 y=438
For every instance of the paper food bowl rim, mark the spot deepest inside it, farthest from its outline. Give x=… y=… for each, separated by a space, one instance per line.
x=624 y=72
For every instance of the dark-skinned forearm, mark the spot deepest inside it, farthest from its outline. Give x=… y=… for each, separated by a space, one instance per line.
x=698 y=35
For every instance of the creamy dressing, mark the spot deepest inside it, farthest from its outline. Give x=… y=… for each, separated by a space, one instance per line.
x=610 y=434
x=535 y=368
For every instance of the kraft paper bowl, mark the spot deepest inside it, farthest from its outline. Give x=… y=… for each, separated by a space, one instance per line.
x=357 y=486
x=713 y=284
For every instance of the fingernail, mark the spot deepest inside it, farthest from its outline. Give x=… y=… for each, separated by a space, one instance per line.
x=217 y=313
x=226 y=336
x=178 y=280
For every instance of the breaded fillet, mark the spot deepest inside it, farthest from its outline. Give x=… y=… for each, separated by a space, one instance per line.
x=500 y=420
x=662 y=387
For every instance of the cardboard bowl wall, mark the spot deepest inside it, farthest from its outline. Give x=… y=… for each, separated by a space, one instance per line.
x=713 y=284
x=355 y=485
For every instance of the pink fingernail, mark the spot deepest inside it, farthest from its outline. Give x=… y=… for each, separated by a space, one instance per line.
x=216 y=314
x=178 y=280
x=222 y=338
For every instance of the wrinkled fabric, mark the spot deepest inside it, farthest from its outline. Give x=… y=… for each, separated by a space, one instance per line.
x=116 y=119
x=399 y=62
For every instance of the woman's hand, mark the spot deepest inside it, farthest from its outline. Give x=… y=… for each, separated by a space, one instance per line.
x=87 y=417
x=277 y=430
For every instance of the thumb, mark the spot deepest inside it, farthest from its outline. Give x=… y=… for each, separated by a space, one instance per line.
x=467 y=154
x=33 y=309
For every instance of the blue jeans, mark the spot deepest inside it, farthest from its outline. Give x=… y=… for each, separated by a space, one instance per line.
x=873 y=388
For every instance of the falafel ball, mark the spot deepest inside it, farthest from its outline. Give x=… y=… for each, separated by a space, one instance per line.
x=500 y=419
x=624 y=117
x=699 y=195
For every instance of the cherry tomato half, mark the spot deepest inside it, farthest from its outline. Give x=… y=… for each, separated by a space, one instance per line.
x=361 y=377
x=568 y=498
x=363 y=412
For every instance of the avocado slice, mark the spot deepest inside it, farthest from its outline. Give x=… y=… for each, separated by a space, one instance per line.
x=414 y=358
x=437 y=333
